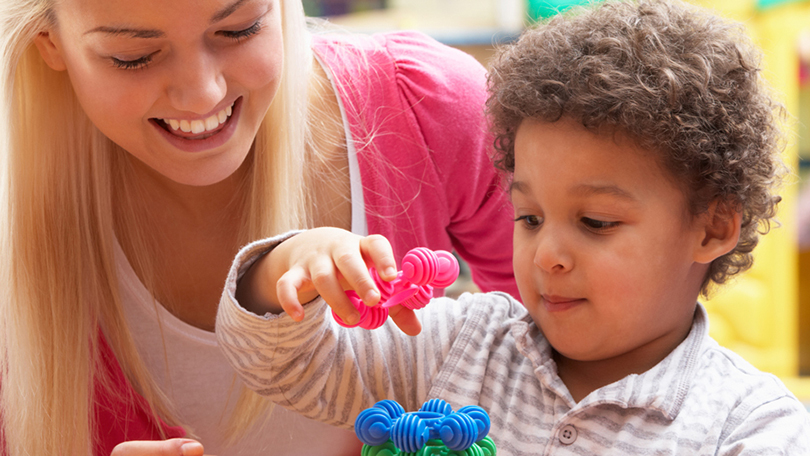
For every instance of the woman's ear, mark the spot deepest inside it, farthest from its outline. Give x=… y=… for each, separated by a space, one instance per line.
x=50 y=51
x=719 y=229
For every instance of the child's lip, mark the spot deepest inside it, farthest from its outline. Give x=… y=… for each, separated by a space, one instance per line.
x=554 y=303
x=554 y=299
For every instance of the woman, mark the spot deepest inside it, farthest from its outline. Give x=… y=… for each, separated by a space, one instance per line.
x=144 y=142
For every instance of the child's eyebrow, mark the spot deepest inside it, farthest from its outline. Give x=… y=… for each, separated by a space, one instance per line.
x=519 y=186
x=611 y=190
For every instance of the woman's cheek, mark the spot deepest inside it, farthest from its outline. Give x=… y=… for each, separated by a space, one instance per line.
x=260 y=62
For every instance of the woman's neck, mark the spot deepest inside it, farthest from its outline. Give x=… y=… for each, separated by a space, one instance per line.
x=187 y=204
x=180 y=240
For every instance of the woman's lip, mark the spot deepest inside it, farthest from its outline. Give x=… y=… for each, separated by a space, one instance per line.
x=218 y=137
x=560 y=303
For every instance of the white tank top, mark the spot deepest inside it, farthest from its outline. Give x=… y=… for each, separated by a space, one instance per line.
x=189 y=367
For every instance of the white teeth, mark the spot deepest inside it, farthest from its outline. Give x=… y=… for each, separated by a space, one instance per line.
x=199 y=126
x=211 y=123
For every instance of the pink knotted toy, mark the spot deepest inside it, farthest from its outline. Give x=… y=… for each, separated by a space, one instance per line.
x=422 y=270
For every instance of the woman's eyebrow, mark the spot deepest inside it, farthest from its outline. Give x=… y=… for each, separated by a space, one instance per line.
x=128 y=31
x=149 y=33
x=227 y=11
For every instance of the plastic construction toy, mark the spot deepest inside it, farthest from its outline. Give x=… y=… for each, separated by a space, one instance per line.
x=435 y=430
x=422 y=270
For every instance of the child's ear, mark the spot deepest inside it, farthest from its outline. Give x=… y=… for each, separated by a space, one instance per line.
x=719 y=230
x=50 y=51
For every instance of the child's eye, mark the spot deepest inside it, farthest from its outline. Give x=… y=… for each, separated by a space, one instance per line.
x=239 y=35
x=136 y=64
x=530 y=221
x=598 y=225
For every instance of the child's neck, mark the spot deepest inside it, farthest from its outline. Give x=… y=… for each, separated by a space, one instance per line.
x=583 y=377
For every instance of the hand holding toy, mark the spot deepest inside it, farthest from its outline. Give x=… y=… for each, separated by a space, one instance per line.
x=422 y=270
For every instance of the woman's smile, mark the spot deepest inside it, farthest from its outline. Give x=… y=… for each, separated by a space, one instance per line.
x=208 y=133
x=199 y=128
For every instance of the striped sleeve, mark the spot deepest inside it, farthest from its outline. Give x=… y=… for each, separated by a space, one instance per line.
x=327 y=372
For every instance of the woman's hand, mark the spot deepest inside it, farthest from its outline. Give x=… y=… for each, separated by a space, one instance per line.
x=322 y=261
x=171 y=447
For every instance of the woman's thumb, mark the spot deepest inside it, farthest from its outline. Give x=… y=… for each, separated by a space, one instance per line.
x=171 y=447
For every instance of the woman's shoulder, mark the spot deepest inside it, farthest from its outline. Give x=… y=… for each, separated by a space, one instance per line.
x=412 y=58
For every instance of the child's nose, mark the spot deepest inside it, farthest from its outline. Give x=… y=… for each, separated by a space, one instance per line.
x=197 y=84
x=551 y=254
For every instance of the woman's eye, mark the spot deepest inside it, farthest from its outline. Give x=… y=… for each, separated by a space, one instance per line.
x=239 y=35
x=598 y=225
x=530 y=221
x=136 y=64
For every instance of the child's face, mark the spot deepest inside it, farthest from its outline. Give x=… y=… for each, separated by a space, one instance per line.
x=604 y=246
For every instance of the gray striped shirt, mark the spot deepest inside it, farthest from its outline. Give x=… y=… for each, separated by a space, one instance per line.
x=484 y=349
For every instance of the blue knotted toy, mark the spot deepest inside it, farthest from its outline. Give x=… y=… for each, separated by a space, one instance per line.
x=387 y=430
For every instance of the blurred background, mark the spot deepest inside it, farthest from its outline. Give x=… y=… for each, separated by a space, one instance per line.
x=763 y=315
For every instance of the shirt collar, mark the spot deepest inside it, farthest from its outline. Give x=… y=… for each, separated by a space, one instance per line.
x=662 y=388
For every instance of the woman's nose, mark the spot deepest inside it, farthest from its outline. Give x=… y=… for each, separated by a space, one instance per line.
x=551 y=252
x=197 y=83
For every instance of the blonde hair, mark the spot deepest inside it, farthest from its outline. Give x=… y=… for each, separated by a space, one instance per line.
x=57 y=235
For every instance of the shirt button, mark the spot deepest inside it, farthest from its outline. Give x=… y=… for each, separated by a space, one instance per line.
x=568 y=434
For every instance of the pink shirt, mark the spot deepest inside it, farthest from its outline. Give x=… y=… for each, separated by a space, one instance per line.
x=416 y=110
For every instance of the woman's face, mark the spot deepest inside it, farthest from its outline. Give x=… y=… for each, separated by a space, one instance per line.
x=182 y=85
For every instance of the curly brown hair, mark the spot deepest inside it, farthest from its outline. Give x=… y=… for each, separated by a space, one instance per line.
x=678 y=79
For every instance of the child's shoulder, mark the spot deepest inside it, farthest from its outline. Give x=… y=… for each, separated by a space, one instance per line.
x=727 y=370
x=706 y=367
x=723 y=401
x=730 y=389
x=747 y=407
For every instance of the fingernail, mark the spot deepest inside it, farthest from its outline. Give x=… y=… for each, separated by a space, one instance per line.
x=191 y=449
x=390 y=271
x=353 y=318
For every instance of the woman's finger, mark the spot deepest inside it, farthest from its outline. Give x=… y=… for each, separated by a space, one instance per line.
x=171 y=447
